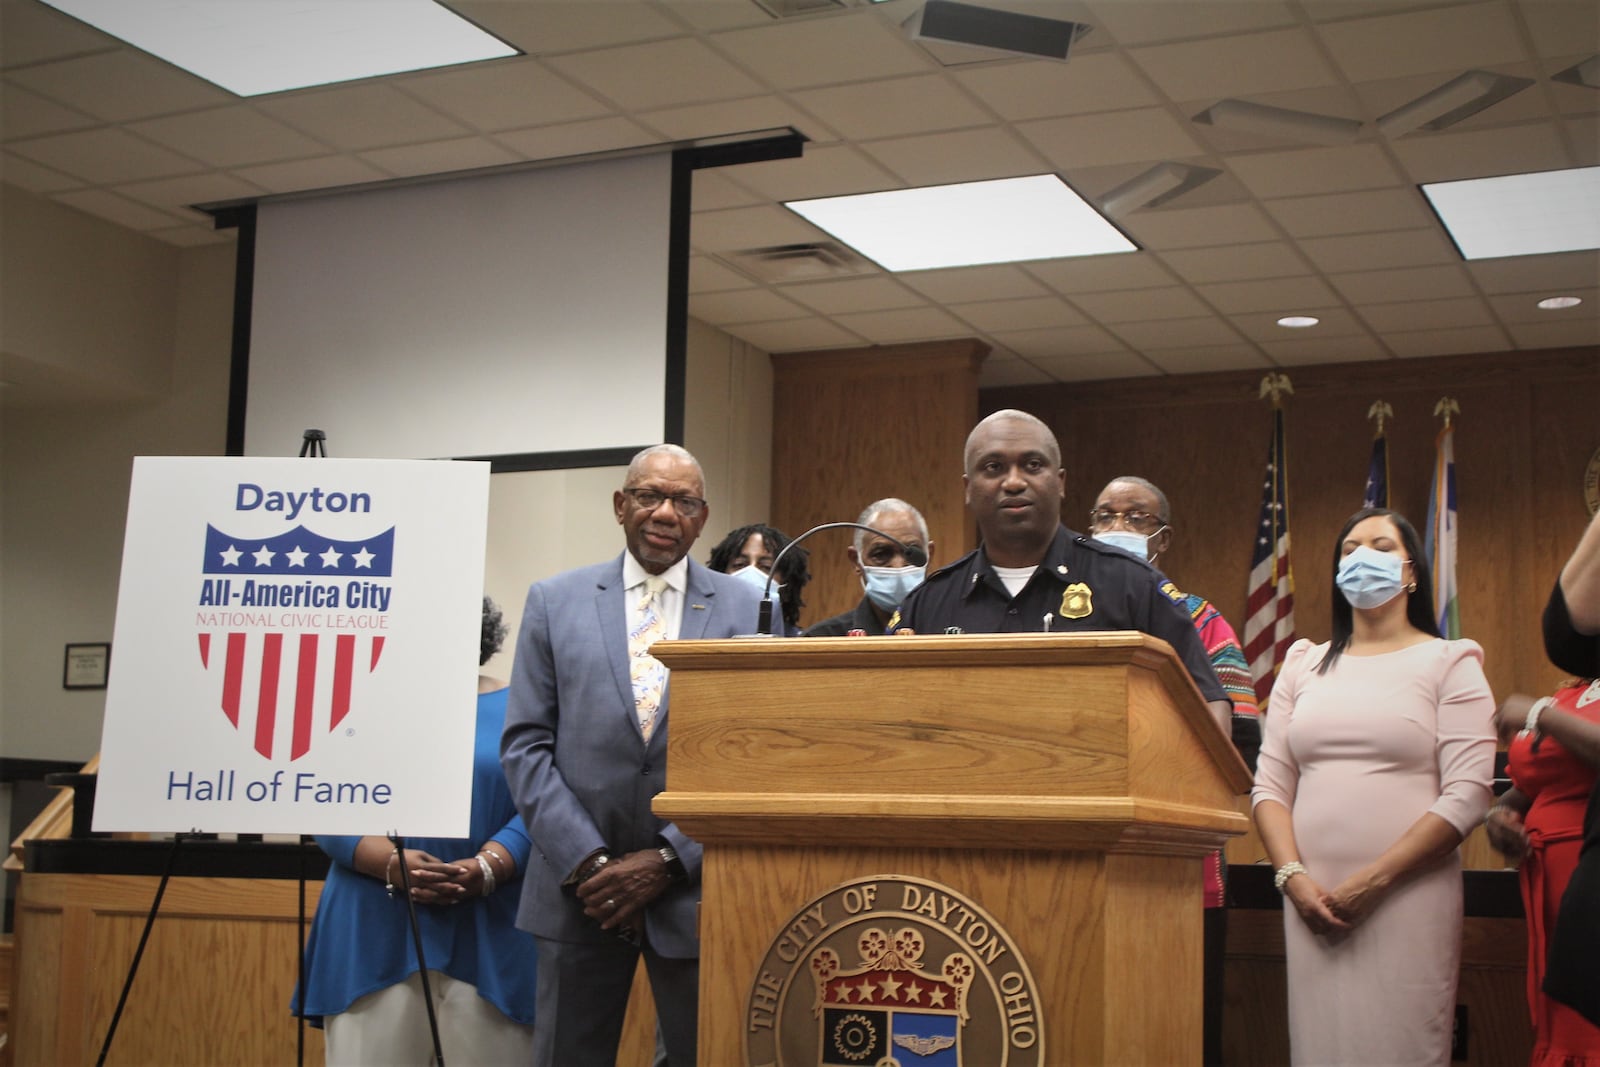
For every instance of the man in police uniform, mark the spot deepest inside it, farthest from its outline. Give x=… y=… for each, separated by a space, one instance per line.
x=1032 y=574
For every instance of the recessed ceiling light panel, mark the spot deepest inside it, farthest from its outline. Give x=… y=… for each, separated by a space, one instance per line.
x=1520 y=214
x=251 y=47
x=1559 y=303
x=1001 y=221
x=1298 y=322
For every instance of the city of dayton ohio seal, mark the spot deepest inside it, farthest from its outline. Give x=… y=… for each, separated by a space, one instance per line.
x=892 y=971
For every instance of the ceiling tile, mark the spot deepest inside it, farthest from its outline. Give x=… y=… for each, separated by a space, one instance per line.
x=1100 y=274
x=229 y=136
x=713 y=191
x=368 y=115
x=109 y=154
x=1263 y=326
x=504 y=95
x=1299 y=353
x=1336 y=10
x=1232 y=263
x=997 y=373
x=742 y=305
x=440 y=157
x=324 y=172
x=27 y=114
x=1044 y=89
x=709 y=15
x=1033 y=313
x=1405 y=283
x=1549 y=275
x=890 y=107
x=1207 y=359
x=738 y=229
x=1110 y=137
x=1096 y=367
x=831 y=170
x=1524 y=307
x=33 y=33
x=26 y=174
x=194 y=236
x=1561 y=334
x=182 y=193
x=576 y=138
x=854 y=294
x=120 y=85
x=1343 y=213
x=1060 y=341
x=117 y=209
x=1453 y=39
x=1483 y=153
x=851 y=47
x=1236 y=66
x=1558 y=27
x=545 y=28
x=662 y=74
x=1141 y=305
x=965 y=156
x=1310 y=171
x=1153 y=21
x=962 y=284
x=907 y=324
x=1403 y=248
x=795 y=335
x=1426 y=314
x=1200 y=227
x=1416 y=344
x=707 y=275
x=736 y=116
x=1177 y=333
x=1282 y=296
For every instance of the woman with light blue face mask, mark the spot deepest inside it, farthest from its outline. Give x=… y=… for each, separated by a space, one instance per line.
x=748 y=554
x=1376 y=761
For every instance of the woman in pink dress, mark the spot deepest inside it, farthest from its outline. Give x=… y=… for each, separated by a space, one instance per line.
x=1376 y=760
x=1554 y=759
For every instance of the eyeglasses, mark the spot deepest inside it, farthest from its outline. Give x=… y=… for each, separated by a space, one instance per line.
x=1137 y=521
x=650 y=499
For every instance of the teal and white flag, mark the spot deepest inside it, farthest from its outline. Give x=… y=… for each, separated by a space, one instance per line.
x=1441 y=534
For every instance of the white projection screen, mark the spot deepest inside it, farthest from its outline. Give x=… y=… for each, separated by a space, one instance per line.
x=522 y=315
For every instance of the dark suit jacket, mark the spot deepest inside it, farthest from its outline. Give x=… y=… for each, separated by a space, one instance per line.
x=577 y=763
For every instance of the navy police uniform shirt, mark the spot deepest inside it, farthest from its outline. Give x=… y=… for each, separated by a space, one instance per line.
x=1081 y=583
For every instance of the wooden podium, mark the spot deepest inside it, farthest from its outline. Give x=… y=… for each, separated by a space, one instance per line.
x=1059 y=791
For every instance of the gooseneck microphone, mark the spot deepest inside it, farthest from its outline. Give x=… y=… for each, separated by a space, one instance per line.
x=915 y=555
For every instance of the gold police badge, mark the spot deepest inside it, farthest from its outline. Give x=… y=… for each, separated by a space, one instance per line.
x=893 y=970
x=1077 y=601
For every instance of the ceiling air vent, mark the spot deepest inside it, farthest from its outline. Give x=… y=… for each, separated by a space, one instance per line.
x=801 y=262
x=786 y=9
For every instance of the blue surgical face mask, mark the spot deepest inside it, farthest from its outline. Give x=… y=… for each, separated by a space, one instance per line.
x=887 y=587
x=757 y=578
x=1136 y=543
x=1369 y=578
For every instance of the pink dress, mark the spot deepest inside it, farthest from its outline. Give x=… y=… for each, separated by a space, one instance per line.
x=1357 y=755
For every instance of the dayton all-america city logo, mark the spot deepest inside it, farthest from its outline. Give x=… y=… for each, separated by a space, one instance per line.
x=289 y=624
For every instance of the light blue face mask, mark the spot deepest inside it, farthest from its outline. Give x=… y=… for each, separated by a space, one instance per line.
x=757 y=578
x=1136 y=543
x=1369 y=578
x=887 y=587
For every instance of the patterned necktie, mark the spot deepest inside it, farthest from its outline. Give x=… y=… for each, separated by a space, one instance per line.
x=649 y=676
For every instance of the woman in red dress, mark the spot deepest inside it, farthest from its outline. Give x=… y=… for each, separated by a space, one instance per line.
x=1554 y=758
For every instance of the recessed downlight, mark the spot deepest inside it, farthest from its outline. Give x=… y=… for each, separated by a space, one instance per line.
x=1298 y=322
x=1556 y=303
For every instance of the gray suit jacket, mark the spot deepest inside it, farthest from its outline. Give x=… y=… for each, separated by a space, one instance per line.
x=578 y=765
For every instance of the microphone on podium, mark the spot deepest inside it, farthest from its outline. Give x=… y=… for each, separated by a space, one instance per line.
x=915 y=555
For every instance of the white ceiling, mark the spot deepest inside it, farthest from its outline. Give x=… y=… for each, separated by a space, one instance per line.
x=1338 y=232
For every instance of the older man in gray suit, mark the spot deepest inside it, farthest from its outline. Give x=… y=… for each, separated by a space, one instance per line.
x=585 y=750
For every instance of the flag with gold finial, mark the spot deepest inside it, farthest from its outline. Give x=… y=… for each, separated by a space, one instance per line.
x=1440 y=538
x=1269 y=611
x=1376 y=494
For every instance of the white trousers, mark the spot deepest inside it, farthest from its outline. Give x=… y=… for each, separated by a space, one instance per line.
x=389 y=1028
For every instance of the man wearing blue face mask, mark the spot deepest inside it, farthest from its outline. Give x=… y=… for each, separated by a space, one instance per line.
x=1133 y=514
x=886 y=575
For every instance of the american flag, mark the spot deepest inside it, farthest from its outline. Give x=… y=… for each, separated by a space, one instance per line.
x=1269 y=622
x=1440 y=539
x=1377 y=490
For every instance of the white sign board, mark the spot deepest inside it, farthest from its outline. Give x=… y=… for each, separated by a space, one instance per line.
x=297 y=645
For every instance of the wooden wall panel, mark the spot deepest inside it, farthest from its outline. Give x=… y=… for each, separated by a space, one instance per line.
x=852 y=426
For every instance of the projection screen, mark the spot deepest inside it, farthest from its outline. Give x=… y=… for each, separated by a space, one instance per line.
x=515 y=314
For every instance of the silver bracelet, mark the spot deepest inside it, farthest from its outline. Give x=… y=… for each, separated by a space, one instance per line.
x=388 y=879
x=1286 y=872
x=488 y=875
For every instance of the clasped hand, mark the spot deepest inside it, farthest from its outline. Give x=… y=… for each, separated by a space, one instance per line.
x=617 y=894
x=436 y=881
x=1338 y=911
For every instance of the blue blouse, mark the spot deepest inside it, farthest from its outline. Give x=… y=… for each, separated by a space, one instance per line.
x=360 y=939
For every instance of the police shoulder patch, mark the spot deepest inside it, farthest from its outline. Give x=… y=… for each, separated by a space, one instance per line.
x=1173 y=593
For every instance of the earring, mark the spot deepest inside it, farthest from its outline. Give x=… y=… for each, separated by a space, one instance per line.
x=1411 y=586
